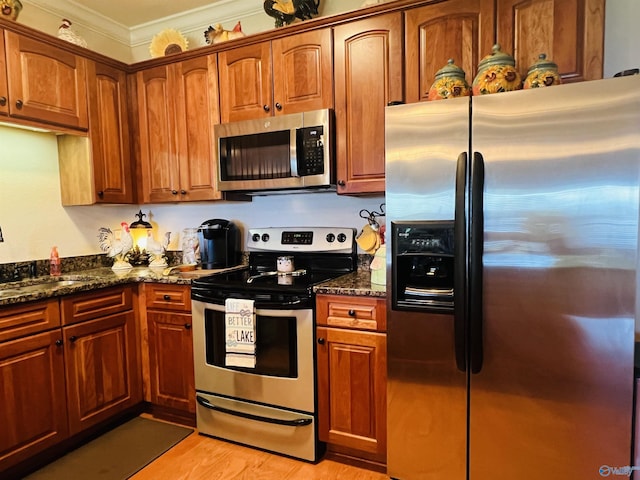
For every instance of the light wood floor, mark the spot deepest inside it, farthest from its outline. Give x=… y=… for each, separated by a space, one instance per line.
x=198 y=457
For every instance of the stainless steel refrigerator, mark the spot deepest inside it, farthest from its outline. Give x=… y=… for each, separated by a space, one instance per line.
x=513 y=274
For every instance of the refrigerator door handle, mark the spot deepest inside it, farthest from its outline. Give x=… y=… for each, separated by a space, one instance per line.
x=476 y=248
x=460 y=300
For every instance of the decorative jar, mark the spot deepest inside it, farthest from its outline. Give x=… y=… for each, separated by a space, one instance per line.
x=496 y=73
x=449 y=83
x=543 y=73
x=10 y=8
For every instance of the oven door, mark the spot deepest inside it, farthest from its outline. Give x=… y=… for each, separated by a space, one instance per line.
x=284 y=372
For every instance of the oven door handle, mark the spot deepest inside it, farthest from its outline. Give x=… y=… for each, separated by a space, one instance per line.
x=299 y=422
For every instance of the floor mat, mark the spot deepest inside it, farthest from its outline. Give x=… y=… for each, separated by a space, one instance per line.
x=117 y=454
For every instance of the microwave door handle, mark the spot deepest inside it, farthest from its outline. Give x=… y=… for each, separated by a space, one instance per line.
x=293 y=155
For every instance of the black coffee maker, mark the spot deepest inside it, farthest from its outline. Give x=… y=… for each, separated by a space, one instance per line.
x=219 y=244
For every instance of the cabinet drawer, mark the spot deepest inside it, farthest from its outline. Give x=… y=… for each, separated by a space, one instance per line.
x=165 y=296
x=27 y=318
x=366 y=313
x=86 y=306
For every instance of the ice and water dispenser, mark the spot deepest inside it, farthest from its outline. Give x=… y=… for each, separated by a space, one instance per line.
x=423 y=265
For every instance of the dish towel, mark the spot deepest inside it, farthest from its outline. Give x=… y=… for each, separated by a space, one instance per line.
x=240 y=333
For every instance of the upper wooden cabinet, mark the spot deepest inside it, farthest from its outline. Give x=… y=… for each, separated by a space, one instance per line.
x=287 y=75
x=569 y=32
x=178 y=107
x=45 y=84
x=458 y=29
x=4 y=89
x=98 y=168
x=368 y=76
x=109 y=132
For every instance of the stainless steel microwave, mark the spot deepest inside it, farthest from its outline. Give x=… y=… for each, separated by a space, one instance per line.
x=281 y=153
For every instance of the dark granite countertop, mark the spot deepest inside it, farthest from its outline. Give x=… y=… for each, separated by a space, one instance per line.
x=357 y=283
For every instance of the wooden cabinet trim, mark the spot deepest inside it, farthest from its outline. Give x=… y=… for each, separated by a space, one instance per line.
x=27 y=318
x=165 y=296
x=87 y=306
x=367 y=313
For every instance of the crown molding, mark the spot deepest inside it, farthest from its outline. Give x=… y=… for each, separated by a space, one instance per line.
x=190 y=21
x=222 y=11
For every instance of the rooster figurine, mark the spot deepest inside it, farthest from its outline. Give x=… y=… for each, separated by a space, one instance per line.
x=116 y=248
x=218 y=34
x=65 y=33
x=157 y=249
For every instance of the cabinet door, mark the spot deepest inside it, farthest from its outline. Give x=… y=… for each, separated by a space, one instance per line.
x=569 y=32
x=171 y=361
x=197 y=108
x=46 y=84
x=102 y=369
x=33 y=415
x=352 y=399
x=112 y=168
x=302 y=72
x=245 y=82
x=158 y=149
x=4 y=90
x=458 y=29
x=368 y=75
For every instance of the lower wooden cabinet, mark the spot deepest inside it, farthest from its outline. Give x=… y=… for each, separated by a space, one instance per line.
x=172 y=383
x=352 y=376
x=33 y=407
x=101 y=369
x=65 y=366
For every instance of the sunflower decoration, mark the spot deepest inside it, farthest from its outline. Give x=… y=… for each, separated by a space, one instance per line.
x=496 y=73
x=168 y=42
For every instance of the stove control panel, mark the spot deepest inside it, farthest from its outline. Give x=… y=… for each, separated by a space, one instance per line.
x=302 y=239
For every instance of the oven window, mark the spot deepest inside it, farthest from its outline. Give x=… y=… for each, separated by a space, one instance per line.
x=276 y=344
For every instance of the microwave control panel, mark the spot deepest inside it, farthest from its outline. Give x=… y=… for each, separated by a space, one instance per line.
x=310 y=151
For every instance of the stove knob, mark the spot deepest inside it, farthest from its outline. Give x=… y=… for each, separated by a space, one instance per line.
x=331 y=238
x=255 y=237
x=265 y=237
x=342 y=237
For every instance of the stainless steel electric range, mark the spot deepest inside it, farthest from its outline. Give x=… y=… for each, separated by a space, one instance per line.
x=271 y=405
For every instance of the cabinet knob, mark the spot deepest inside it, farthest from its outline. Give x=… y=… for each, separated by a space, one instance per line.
x=101 y=194
x=321 y=341
x=266 y=108
x=183 y=192
x=3 y=101
x=174 y=192
x=278 y=106
x=187 y=326
x=352 y=313
x=73 y=338
x=341 y=183
x=19 y=104
x=58 y=343
x=167 y=297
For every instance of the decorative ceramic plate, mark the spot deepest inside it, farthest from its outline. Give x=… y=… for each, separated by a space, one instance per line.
x=168 y=42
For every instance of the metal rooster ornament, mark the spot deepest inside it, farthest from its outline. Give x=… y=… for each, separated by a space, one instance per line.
x=286 y=11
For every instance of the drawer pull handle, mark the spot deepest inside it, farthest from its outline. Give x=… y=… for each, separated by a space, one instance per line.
x=3 y=101
x=19 y=104
x=58 y=343
x=73 y=338
x=187 y=326
x=167 y=297
x=321 y=341
x=352 y=313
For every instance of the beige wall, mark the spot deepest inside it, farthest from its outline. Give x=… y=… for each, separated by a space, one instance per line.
x=32 y=218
